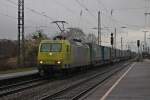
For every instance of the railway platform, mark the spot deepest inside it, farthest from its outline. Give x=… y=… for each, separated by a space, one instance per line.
x=17 y=74
x=132 y=83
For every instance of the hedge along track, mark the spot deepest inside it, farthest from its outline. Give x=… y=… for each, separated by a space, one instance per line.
x=77 y=90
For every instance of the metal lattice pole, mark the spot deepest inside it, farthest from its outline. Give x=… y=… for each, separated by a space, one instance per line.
x=21 y=49
x=99 y=28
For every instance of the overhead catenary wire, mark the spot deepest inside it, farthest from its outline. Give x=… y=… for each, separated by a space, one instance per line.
x=64 y=6
x=130 y=9
x=71 y=10
x=115 y=20
x=102 y=12
x=119 y=22
x=43 y=14
x=32 y=10
x=86 y=9
x=46 y=16
x=7 y=15
x=10 y=16
x=8 y=5
x=105 y=8
x=40 y=13
x=112 y=18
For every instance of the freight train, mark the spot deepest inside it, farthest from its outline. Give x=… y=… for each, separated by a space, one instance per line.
x=61 y=55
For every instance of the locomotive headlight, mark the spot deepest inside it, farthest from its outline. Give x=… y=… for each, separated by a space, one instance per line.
x=58 y=62
x=41 y=62
x=50 y=54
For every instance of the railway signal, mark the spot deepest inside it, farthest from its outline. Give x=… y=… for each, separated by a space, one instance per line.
x=112 y=42
x=112 y=39
x=138 y=43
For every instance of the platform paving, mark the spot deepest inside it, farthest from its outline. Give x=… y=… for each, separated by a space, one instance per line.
x=135 y=85
x=132 y=84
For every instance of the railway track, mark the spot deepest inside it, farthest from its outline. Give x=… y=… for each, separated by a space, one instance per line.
x=79 y=89
x=20 y=86
x=13 y=79
x=71 y=90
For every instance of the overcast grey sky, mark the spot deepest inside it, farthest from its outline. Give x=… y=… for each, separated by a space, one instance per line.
x=129 y=13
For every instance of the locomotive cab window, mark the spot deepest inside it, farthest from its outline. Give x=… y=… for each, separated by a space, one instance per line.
x=51 y=47
x=56 y=47
x=45 y=47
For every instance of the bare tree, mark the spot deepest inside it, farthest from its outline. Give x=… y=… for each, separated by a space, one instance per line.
x=32 y=43
x=91 y=38
x=74 y=33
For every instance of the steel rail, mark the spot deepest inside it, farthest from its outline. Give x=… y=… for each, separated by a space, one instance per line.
x=12 y=89
x=65 y=90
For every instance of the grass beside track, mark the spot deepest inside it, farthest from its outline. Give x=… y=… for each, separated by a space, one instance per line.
x=22 y=69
